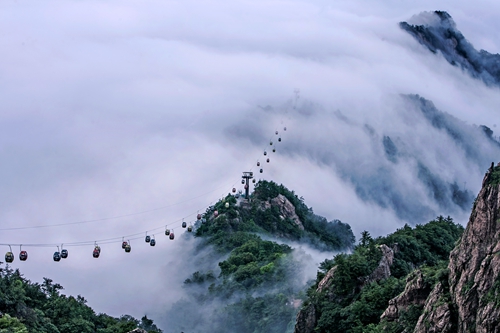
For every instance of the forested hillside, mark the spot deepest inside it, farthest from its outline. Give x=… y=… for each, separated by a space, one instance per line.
x=42 y=308
x=256 y=283
x=353 y=291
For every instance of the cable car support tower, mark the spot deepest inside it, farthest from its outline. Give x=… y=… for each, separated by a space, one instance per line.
x=246 y=179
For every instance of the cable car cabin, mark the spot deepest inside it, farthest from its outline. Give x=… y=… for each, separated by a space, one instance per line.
x=253 y=180
x=57 y=256
x=172 y=235
x=284 y=128
x=267 y=160
x=216 y=213
x=237 y=195
x=124 y=244
x=258 y=163
x=96 y=253
x=97 y=248
x=190 y=228
x=243 y=181
x=265 y=153
x=274 y=150
x=227 y=204
x=234 y=190
x=198 y=217
x=276 y=132
x=167 y=232
x=9 y=257
x=64 y=253
x=261 y=170
x=279 y=139
x=184 y=224
x=270 y=143
x=148 y=239
x=23 y=255
x=246 y=186
x=128 y=248
x=153 y=242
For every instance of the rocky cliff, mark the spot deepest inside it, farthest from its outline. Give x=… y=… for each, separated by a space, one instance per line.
x=415 y=294
x=471 y=302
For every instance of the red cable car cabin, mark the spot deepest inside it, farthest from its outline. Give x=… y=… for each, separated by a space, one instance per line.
x=23 y=255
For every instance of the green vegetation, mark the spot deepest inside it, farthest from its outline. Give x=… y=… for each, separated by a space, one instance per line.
x=494 y=178
x=258 y=286
x=39 y=308
x=263 y=216
x=353 y=305
x=493 y=295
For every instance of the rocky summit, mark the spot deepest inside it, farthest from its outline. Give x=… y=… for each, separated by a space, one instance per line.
x=471 y=302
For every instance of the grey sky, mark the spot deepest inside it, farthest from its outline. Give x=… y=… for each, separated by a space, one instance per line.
x=117 y=107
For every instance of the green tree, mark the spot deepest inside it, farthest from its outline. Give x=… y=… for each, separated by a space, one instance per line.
x=10 y=324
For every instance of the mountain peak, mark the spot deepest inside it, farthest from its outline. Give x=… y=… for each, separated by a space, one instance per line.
x=437 y=31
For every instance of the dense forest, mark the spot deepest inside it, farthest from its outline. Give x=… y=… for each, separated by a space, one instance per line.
x=41 y=308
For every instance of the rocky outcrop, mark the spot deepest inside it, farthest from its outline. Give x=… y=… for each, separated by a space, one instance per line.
x=327 y=280
x=474 y=291
x=138 y=330
x=383 y=270
x=415 y=293
x=286 y=208
x=436 y=317
x=306 y=320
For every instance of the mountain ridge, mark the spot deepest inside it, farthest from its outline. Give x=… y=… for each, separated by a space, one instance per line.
x=438 y=33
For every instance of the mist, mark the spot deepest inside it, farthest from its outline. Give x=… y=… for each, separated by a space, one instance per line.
x=140 y=115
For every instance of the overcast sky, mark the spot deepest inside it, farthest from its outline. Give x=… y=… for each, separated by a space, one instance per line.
x=112 y=108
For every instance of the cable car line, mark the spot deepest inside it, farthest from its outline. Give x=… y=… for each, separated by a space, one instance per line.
x=63 y=253
x=113 y=239
x=108 y=218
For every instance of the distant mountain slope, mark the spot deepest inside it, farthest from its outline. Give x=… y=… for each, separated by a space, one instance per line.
x=421 y=162
x=438 y=32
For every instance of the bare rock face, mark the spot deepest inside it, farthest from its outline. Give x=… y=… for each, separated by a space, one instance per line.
x=474 y=267
x=327 y=280
x=383 y=270
x=138 y=330
x=287 y=209
x=436 y=317
x=475 y=264
x=306 y=320
x=415 y=293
